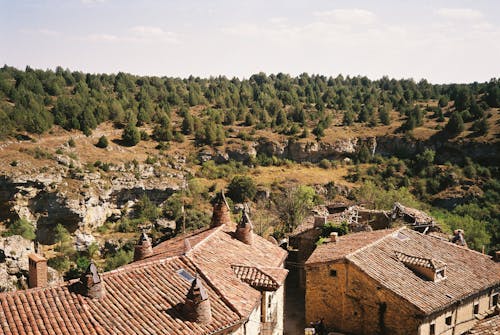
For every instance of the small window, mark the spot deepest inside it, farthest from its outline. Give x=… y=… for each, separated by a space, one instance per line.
x=494 y=299
x=333 y=273
x=448 y=320
x=432 y=329
x=476 y=308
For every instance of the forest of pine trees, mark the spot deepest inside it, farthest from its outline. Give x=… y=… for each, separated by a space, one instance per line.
x=35 y=100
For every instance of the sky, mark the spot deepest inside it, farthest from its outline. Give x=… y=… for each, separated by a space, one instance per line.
x=441 y=41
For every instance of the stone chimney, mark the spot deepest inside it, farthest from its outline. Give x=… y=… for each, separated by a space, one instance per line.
x=221 y=214
x=91 y=283
x=143 y=248
x=37 y=271
x=197 y=305
x=244 y=230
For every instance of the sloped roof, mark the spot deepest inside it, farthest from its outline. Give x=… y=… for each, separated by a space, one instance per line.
x=215 y=255
x=373 y=253
x=489 y=326
x=429 y=263
x=145 y=297
x=138 y=300
x=268 y=279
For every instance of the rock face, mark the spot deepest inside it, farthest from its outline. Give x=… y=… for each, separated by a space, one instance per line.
x=46 y=200
x=313 y=151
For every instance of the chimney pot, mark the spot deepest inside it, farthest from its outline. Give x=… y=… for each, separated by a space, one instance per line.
x=143 y=248
x=91 y=282
x=221 y=214
x=37 y=271
x=197 y=305
x=244 y=230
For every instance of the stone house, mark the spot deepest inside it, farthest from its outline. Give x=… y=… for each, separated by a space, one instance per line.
x=220 y=280
x=399 y=281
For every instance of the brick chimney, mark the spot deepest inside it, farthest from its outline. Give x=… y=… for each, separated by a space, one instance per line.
x=37 y=271
x=497 y=256
x=221 y=214
x=244 y=230
x=197 y=305
x=143 y=248
x=92 y=285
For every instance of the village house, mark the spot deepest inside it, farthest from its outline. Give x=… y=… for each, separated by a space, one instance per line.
x=302 y=240
x=221 y=280
x=399 y=281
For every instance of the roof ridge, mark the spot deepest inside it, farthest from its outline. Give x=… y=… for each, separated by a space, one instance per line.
x=391 y=230
x=185 y=258
x=212 y=233
x=456 y=245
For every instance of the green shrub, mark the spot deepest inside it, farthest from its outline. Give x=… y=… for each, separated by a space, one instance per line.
x=21 y=227
x=103 y=142
x=121 y=257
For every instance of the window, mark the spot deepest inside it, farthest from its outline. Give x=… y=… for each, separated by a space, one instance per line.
x=333 y=273
x=476 y=307
x=432 y=329
x=448 y=320
x=494 y=299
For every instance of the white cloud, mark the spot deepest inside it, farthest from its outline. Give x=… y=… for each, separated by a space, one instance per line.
x=153 y=33
x=136 y=34
x=102 y=37
x=466 y=14
x=352 y=16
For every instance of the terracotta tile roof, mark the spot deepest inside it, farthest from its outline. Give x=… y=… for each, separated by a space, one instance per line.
x=260 y=278
x=489 y=326
x=210 y=260
x=429 y=263
x=467 y=271
x=345 y=245
x=138 y=300
x=145 y=297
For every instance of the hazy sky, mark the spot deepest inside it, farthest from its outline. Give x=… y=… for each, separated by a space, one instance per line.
x=442 y=41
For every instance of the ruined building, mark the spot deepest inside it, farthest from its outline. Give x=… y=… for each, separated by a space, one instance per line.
x=207 y=282
x=400 y=281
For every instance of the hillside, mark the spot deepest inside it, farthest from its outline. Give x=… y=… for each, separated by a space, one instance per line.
x=108 y=155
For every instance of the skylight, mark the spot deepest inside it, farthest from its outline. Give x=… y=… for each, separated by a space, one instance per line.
x=185 y=275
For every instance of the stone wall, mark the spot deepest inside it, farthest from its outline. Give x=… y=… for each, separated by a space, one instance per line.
x=352 y=302
x=462 y=316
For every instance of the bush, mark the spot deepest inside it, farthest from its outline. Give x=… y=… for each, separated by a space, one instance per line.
x=121 y=257
x=325 y=164
x=21 y=227
x=103 y=142
x=241 y=188
x=131 y=135
x=72 y=143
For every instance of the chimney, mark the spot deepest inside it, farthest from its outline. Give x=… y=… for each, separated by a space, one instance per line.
x=221 y=214
x=244 y=230
x=143 y=248
x=497 y=256
x=319 y=221
x=197 y=305
x=91 y=283
x=37 y=271
x=334 y=236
